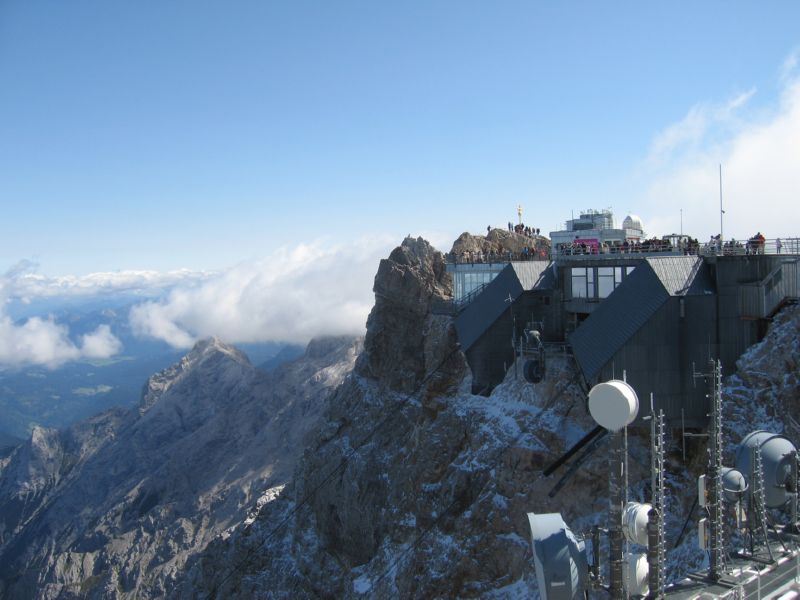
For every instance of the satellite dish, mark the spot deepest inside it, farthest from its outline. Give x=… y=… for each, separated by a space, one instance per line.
x=559 y=558
x=634 y=522
x=613 y=404
x=533 y=371
x=634 y=572
x=776 y=460
x=734 y=485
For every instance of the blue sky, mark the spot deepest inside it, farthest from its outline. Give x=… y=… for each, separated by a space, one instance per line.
x=158 y=136
x=168 y=135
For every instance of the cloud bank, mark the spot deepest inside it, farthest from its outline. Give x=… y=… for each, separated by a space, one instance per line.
x=42 y=341
x=759 y=150
x=24 y=284
x=293 y=295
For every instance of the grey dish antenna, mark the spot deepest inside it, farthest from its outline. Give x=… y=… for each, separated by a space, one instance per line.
x=777 y=454
x=558 y=556
x=613 y=404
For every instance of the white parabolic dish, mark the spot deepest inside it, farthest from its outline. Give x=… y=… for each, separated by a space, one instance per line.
x=613 y=404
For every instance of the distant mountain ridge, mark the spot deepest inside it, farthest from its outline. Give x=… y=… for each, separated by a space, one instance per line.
x=113 y=506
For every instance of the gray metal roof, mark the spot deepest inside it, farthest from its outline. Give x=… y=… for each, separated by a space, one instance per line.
x=515 y=278
x=620 y=316
x=479 y=315
x=676 y=273
x=534 y=274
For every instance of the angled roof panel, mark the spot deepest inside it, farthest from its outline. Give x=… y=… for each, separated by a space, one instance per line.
x=487 y=307
x=534 y=274
x=618 y=318
x=676 y=273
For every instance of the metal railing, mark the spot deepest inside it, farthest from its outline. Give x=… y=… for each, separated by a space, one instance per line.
x=473 y=258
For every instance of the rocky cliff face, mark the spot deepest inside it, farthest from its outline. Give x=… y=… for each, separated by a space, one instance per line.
x=412 y=487
x=113 y=506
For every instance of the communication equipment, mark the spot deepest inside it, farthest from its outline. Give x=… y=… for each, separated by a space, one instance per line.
x=734 y=485
x=777 y=455
x=561 y=568
x=634 y=522
x=534 y=368
x=634 y=572
x=702 y=493
x=702 y=533
x=613 y=404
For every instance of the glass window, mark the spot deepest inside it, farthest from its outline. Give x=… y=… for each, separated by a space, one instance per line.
x=605 y=283
x=580 y=281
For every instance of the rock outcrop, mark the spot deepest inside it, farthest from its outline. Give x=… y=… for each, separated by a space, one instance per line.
x=114 y=506
x=499 y=243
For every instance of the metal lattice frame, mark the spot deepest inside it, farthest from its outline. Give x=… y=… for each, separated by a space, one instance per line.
x=758 y=500
x=656 y=551
x=717 y=534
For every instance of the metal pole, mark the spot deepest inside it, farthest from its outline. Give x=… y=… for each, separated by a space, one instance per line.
x=615 y=516
x=716 y=560
x=721 y=212
x=656 y=551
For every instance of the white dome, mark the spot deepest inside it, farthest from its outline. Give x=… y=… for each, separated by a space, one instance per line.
x=632 y=222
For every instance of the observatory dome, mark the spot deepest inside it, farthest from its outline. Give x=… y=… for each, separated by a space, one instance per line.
x=632 y=222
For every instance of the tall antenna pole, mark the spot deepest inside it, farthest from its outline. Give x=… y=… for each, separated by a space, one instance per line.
x=721 y=212
x=656 y=550
x=616 y=494
x=717 y=541
x=681 y=221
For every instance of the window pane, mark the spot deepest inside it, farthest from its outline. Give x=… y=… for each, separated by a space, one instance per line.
x=605 y=285
x=578 y=286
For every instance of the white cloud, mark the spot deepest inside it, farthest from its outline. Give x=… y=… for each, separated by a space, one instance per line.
x=101 y=343
x=293 y=295
x=43 y=342
x=23 y=283
x=691 y=133
x=760 y=156
x=38 y=341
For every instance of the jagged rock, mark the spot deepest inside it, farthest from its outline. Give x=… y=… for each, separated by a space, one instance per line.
x=404 y=341
x=499 y=242
x=113 y=507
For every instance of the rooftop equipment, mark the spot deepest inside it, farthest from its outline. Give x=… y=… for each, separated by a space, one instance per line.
x=613 y=404
x=558 y=556
x=777 y=457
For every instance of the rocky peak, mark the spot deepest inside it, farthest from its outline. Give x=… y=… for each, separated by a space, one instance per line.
x=499 y=242
x=404 y=341
x=207 y=354
x=323 y=346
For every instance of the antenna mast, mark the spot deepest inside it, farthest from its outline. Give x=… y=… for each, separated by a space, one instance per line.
x=717 y=542
x=721 y=212
x=656 y=535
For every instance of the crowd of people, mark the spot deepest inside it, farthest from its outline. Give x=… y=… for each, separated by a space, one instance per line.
x=683 y=245
x=689 y=246
x=527 y=253
x=754 y=245
x=521 y=229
